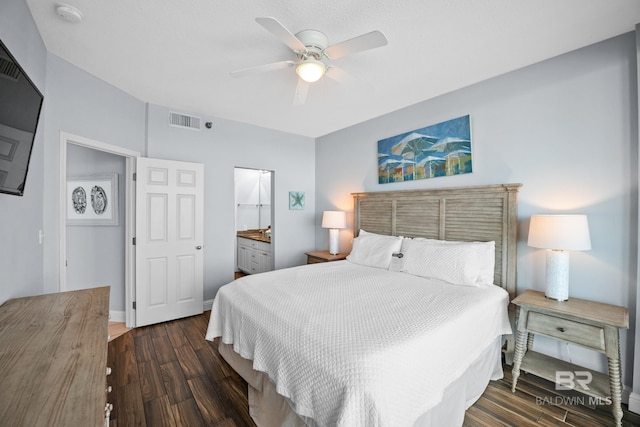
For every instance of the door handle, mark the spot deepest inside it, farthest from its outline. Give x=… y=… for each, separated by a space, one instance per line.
x=198 y=247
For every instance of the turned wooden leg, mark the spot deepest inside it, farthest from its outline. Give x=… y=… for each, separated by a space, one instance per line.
x=615 y=383
x=511 y=339
x=517 y=358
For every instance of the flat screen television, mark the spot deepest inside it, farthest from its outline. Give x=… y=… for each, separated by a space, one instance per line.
x=20 y=103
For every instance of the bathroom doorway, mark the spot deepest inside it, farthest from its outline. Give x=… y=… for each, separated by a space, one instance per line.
x=254 y=214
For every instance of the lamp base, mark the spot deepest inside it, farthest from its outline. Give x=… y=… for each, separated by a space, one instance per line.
x=334 y=241
x=557 y=275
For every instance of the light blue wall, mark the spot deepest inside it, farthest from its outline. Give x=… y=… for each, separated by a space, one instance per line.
x=89 y=107
x=566 y=129
x=227 y=145
x=81 y=104
x=21 y=255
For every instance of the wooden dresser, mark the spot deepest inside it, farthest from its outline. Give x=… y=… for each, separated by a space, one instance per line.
x=53 y=359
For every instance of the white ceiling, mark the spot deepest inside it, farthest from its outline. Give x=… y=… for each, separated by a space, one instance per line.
x=178 y=53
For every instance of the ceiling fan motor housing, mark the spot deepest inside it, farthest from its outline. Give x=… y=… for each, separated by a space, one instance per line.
x=315 y=42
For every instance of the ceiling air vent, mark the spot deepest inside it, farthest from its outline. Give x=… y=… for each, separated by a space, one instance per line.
x=9 y=69
x=184 y=121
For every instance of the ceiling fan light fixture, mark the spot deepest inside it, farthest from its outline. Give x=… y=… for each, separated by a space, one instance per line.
x=311 y=70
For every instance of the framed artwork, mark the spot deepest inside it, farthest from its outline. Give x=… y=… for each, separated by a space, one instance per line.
x=443 y=149
x=92 y=200
x=296 y=200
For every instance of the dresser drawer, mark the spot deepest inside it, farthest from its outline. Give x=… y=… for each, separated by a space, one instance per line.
x=567 y=330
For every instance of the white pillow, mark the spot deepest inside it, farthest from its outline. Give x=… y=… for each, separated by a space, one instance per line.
x=374 y=250
x=460 y=263
x=397 y=261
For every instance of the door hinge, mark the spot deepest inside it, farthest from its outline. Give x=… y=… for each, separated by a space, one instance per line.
x=135 y=176
x=134 y=241
x=134 y=305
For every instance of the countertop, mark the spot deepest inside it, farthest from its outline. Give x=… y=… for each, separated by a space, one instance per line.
x=254 y=235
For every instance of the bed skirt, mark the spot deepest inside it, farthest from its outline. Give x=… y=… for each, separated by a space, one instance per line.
x=270 y=409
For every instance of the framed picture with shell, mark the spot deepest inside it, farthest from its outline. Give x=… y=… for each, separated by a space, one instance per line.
x=92 y=200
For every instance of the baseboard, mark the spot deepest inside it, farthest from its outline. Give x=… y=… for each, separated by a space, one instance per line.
x=117 y=316
x=121 y=316
x=634 y=403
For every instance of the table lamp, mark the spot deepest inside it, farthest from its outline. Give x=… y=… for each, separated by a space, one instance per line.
x=334 y=221
x=559 y=234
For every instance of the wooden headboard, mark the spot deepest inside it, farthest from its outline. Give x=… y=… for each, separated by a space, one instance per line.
x=479 y=213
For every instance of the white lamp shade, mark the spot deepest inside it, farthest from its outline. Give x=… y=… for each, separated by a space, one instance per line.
x=559 y=232
x=334 y=219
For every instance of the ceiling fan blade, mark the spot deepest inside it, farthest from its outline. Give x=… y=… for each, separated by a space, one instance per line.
x=262 y=68
x=339 y=75
x=357 y=44
x=356 y=86
x=276 y=28
x=300 y=95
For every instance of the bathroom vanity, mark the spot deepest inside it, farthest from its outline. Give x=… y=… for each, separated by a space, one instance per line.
x=254 y=252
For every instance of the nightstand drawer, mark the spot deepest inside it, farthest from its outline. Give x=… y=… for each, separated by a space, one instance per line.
x=566 y=330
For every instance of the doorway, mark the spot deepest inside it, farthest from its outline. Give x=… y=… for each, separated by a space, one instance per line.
x=129 y=156
x=254 y=220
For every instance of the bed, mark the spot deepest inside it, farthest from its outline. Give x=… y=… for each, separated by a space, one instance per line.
x=382 y=338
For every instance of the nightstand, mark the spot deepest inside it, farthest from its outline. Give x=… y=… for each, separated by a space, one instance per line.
x=323 y=256
x=585 y=323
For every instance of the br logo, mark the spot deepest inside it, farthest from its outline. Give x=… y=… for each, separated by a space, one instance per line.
x=567 y=380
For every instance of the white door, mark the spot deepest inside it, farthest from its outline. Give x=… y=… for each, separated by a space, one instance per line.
x=169 y=240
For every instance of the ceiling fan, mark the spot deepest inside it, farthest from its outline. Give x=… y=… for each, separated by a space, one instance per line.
x=312 y=51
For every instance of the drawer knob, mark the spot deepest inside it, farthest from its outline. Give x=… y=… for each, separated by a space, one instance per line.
x=108 y=370
x=561 y=329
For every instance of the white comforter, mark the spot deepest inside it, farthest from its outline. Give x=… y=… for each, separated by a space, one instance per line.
x=357 y=346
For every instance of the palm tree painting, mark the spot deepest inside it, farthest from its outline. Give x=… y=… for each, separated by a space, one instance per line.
x=443 y=149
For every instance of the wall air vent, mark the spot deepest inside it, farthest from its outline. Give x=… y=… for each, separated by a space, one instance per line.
x=9 y=69
x=184 y=121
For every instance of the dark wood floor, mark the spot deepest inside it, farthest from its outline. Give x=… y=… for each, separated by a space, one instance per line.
x=169 y=375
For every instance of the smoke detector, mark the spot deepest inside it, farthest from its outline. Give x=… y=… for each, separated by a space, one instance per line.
x=68 y=13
